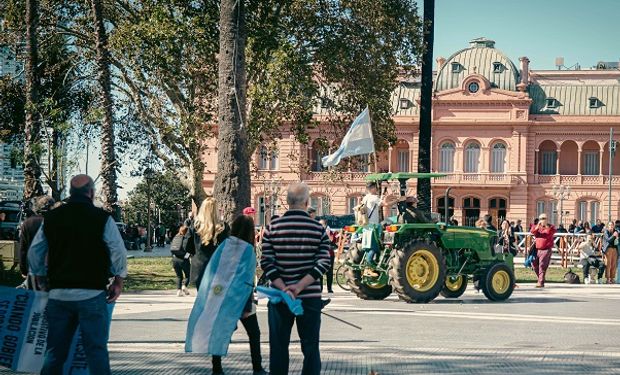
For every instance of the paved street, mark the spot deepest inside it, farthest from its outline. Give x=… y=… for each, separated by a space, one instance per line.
x=562 y=329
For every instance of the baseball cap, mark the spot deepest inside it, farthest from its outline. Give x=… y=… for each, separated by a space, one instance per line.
x=249 y=211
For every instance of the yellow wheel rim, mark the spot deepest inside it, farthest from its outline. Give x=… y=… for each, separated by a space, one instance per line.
x=453 y=284
x=501 y=282
x=422 y=270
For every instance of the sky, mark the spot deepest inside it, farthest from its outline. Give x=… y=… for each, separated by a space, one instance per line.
x=581 y=31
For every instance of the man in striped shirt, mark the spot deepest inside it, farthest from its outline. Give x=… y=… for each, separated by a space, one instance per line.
x=295 y=256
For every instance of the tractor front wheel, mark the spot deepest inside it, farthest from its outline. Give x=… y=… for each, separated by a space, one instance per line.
x=454 y=287
x=418 y=272
x=498 y=283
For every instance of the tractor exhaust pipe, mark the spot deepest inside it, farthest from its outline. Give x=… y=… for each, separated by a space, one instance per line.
x=447 y=205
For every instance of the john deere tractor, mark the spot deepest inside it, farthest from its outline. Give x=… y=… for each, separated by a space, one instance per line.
x=420 y=260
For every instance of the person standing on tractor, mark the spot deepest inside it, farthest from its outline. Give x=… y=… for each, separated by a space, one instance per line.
x=543 y=232
x=373 y=203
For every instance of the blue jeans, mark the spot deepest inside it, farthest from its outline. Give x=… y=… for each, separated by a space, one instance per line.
x=308 y=327
x=63 y=319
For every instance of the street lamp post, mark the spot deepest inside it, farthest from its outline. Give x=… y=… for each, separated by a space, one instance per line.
x=561 y=192
x=148 y=176
x=612 y=154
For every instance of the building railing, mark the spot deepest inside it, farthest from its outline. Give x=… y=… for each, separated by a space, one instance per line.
x=576 y=179
x=475 y=178
x=566 y=245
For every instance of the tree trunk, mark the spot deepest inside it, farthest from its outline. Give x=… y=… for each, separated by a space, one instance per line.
x=108 y=158
x=197 y=192
x=32 y=130
x=424 y=146
x=232 y=183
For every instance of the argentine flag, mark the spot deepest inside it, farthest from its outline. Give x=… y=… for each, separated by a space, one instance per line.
x=357 y=141
x=226 y=286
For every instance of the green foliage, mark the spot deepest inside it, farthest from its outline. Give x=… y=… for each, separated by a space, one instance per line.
x=298 y=52
x=12 y=110
x=167 y=193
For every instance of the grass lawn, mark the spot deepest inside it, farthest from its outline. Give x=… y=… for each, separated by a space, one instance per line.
x=157 y=274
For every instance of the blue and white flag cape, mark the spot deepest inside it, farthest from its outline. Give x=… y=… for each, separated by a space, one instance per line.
x=23 y=333
x=357 y=141
x=277 y=296
x=225 y=288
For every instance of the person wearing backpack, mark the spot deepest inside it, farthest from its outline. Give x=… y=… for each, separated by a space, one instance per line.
x=182 y=249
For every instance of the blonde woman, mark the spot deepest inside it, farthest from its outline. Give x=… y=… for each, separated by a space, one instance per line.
x=208 y=232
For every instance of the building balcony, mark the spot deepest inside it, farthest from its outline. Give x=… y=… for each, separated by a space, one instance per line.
x=477 y=179
x=335 y=177
x=575 y=180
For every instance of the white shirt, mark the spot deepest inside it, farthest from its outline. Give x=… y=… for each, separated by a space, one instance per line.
x=373 y=206
x=586 y=250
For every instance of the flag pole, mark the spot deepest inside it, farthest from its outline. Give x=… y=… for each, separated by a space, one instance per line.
x=374 y=153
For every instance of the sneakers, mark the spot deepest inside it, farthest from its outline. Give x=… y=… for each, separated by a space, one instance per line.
x=539 y=286
x=180 y=293
x=185 y=290
x=587 y=280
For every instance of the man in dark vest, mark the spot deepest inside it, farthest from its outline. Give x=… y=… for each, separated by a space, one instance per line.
x=84 y=250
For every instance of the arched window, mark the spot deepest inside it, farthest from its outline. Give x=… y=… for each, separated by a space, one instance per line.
x=263 y=158
x=498 y=158
x=472 y=158
x=321 y=204
x=588 y=210
x=353 y=201
x=548 y=207
x=267 y=159
x=319 y=150
x=446 y=157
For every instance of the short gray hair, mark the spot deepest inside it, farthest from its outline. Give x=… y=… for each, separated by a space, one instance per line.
x=298 y=194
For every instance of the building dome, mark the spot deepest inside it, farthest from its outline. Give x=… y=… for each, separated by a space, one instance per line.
x=480 y=58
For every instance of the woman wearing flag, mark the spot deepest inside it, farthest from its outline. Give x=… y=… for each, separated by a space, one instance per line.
x=226 y=296
x=207 y=232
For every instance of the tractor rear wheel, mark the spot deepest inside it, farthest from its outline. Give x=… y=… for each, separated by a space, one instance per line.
x=454 y=287
x=370 y=291
x=418 y=272
x=498 y=283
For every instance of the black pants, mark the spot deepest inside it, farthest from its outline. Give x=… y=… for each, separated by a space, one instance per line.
x=330 y=273
x=181 y=268
x=308 y=328
x=592 y=262
x=251 y=327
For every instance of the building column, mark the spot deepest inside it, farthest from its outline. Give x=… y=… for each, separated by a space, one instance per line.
x=600 y=162
x=390 y=159
x=557 y=163
x=485 y=162
x=458 y=159
x=579 y=151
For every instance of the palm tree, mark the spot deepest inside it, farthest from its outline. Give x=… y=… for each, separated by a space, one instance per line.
x=232 y=182
x=32 y=129
x=424 y=155
x=108 y=159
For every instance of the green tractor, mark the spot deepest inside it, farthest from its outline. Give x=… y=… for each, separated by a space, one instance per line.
x=418 y=261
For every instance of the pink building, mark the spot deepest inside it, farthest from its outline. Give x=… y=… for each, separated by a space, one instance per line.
x=504 y=135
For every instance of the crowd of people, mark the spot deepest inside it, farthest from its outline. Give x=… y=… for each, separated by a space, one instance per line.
x=601 y=255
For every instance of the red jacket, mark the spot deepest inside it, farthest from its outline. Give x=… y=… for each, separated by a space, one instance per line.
x=544 y=237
